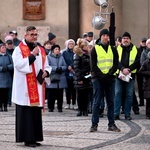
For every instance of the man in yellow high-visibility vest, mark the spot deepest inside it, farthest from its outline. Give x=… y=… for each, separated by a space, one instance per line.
x=104 y=63
x=128 y=62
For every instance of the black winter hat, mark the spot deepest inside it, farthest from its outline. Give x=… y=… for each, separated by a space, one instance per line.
x=54 y=46
x=90 y=34
x=143 y=39
x=51 y=36
x=126 y=34
x=104 y=31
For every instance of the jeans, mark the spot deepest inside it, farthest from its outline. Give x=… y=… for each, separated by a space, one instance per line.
x=99 y=91
x=129 y=89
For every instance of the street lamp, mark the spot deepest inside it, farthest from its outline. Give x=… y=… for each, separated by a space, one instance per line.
x=102 y=3
x=98 y=22
x=100 y=18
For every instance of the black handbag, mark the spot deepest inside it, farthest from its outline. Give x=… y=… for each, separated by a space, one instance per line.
x=55 y=78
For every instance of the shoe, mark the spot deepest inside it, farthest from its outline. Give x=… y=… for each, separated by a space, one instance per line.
x=79 y=113
x=128 y=118
x=114 y=128
x=116 y=117
x=38 y=144
x=5 y=109
x=60 y=110
x=141 y=105
x=30 y=144
x=93 y=128
x=85 y=113
x=67 y=106
x=50 y=110
x=1 y=110
x=136 y=112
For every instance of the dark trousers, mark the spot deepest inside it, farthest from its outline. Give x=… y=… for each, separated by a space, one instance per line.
x=83 y=99
x=140 y=88
x=9 y=96
x=70 y=91
x=90 y=103
x=55 y=94
x=3 y=97
x=135 y=106
x=148 y=107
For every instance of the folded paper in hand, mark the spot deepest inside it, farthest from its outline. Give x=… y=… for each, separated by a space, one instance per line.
x=39 y=77
x=123 y=77
x=87 y=76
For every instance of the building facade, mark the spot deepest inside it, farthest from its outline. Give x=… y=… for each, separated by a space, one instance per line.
x=71 y=18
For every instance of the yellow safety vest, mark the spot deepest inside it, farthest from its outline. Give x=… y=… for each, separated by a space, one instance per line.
x=104 y=59
x=132 y=56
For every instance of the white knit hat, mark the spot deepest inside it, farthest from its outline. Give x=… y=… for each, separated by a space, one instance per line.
x=8 y=37
x=148 y=41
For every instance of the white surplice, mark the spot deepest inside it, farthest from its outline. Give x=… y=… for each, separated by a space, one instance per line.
x=20 y=94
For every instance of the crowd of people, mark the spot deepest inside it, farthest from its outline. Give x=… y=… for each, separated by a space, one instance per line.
x=91 y=73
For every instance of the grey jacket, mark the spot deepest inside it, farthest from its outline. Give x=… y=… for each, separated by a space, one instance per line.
x=5 y=76
x=144 y=56
x=54 y=62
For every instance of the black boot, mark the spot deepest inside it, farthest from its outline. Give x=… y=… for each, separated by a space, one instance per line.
x=79 y=113
x=85 y=113
x=1 y=109
x=5 y=109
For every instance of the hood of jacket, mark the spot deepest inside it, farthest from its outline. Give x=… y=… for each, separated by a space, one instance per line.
x=77 y=50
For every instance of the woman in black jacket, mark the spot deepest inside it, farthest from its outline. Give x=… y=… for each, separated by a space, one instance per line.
x=145 y=72
x=81 y=83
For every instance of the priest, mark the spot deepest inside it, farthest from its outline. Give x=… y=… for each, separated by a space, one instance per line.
x=28 y=90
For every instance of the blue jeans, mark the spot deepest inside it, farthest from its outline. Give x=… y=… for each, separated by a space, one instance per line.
x=99 y=90
x=129 y=88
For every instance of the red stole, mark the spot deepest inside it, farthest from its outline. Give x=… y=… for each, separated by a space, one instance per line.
x=32 y=84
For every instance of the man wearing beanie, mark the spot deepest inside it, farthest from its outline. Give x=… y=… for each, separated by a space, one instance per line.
x=128 y=63
x=52 y=38
x=104 y=63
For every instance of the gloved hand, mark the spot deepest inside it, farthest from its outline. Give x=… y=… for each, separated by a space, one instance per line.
x=59 y=70
x=4 y=69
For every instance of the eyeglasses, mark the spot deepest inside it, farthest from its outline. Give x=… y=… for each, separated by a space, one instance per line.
x=33 y=35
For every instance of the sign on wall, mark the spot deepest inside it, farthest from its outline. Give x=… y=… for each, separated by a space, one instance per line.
x=33 y=9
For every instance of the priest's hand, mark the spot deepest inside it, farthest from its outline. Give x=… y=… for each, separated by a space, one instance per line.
x=35 y=51
x=44 y=74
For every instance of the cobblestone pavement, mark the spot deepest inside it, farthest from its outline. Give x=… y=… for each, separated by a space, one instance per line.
x=65 y=131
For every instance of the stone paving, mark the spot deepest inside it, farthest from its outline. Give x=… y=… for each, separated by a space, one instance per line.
x=65 y=131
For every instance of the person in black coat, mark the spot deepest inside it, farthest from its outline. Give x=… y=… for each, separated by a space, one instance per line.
x=81 y=69
x=145 y=72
